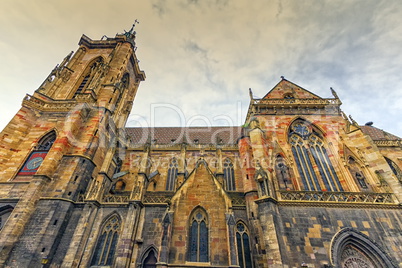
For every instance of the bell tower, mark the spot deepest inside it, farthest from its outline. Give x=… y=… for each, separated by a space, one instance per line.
x=65 y=137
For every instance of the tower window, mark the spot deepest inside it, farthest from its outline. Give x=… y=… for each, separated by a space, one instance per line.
x=82 y=85
x=107 y=242
x=198 y=242
x=172 y=174
x=228 y=174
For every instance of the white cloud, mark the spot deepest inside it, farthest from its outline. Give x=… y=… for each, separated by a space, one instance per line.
x=202 y=56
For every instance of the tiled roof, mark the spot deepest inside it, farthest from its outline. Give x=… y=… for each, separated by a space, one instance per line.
x=193 y=135
x=378 y=134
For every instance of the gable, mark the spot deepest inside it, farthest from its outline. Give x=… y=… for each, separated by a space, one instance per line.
x=286 y=88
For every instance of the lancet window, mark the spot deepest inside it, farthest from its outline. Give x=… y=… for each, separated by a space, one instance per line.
x=87 y=76
x=311 y=157
x=198 y=243
x=107 y=242
x=228 y=174
x=172 y=174
x=243 y=246
x=395 y=169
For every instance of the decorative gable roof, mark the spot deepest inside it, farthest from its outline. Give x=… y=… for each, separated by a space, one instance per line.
x=286 y=88
x=289 y=98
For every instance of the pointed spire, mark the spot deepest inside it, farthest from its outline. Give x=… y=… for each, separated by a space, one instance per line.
x=334 y=93
x=250 y=92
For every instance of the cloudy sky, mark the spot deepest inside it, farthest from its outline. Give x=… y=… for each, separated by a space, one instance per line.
x=202 y=56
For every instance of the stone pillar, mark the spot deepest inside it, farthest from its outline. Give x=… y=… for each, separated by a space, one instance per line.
x=219 y=169
x=181 y=175
x=166 y=234
x=14 y=228
x=126 y=242
x=233 y=258
x=81 y=235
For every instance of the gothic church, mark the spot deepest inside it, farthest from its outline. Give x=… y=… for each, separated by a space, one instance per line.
x=298 y=185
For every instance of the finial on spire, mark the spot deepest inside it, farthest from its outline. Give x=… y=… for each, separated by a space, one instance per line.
x=334 y=93
x=131 y=32
x=282 y=77
x=250 y=92
x=132 y=28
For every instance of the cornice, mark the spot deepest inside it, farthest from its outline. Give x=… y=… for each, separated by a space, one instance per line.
x=316 y=106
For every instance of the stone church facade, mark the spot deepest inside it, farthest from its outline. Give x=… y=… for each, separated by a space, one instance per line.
x=299 y=185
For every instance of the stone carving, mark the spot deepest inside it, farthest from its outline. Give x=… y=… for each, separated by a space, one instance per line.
x=353 y=258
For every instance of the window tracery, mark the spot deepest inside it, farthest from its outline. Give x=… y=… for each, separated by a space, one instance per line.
x=309 y=151
x=395 y=169
x=228 y=174
x=243 y=246
x=107 y=242
x=350 y=249
x=198 y=243
x=172 y=174
x=88 y=76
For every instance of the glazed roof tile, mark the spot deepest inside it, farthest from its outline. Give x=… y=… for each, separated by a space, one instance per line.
x=194 y=135
x=378 y=134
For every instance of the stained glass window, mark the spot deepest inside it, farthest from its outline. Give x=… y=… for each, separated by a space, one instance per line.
x=228 y=174
x=243 y=246
x=312 y=160
x=107 y=242
x=199 y=246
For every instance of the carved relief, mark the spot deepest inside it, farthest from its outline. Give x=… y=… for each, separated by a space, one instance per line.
x=353 y=258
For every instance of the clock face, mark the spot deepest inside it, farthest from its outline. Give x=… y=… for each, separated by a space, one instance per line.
x=35 y=162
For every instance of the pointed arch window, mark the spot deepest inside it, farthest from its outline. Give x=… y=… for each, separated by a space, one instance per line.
x=350 y=248
x=35 y=159
x=81 y=87
x=228 y=174
x=87 y=76
x=309 y=152
x=172 y=174
x=150 y=260
x=107 y=242
x=243 y=246
x=395 y=169
x=198 y=243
